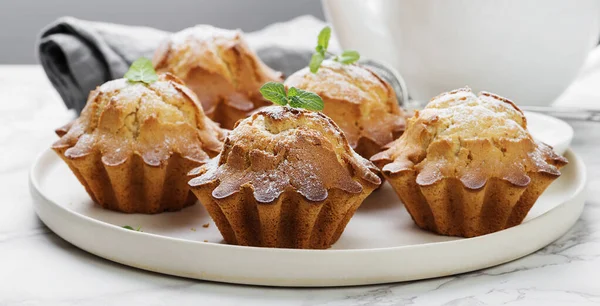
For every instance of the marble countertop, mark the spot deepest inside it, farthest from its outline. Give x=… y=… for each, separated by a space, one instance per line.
x=39 y=268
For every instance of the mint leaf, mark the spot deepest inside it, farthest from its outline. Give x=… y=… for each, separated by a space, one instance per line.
x=320 y=50
x=296 y=102
x=323 y=39
x=141 y=71
x=274 y=92
x=315 y=62
x=348 y=57
x=132 y=229
x=293 y=91
x=298 y=98
x=305 y=99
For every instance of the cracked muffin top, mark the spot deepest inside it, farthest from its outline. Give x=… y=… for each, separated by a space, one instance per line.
x=153 y=121
x=279 y=148
x=472 y=138
x=362 y=104
x=219 y=66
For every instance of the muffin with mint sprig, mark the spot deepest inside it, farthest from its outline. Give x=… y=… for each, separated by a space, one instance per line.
x=360 y=102
x=286 y=176
x=135 y=141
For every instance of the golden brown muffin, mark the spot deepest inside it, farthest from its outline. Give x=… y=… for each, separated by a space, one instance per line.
x=220 y=68
x=362 y=104
x=286 y=178
x=133 y=144
x=467 y=166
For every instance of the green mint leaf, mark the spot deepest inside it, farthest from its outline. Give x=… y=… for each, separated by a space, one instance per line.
x=274 y=92
x=141 y=71
x=296 y=102
x=305 y=99
x=348 y=57
x=324 y=36
x=320 y=49
x=315 y=62
x=132 y=229
x=292 y=92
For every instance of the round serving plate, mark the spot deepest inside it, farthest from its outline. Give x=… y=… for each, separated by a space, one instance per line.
x=380 y=244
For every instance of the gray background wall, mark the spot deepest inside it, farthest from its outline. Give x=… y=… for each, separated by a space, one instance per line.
x=22 y=20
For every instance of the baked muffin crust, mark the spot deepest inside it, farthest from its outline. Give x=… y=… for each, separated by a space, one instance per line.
x=470 y=137
x=220 y=68
x=281 y=147
x=362 y=104
x=153 y=121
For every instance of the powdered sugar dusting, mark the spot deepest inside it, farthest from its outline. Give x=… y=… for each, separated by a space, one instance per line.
x=280 y=148
x=334 y=80
x=203 y=32
x=361 y=103
x=153 y=121
x=472 y=138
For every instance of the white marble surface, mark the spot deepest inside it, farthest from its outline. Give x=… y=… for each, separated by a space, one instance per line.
x=39 y=268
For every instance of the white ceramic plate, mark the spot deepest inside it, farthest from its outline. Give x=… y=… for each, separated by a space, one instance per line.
x=381 y=244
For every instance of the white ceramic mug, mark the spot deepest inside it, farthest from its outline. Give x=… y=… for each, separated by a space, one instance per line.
x=526 y=50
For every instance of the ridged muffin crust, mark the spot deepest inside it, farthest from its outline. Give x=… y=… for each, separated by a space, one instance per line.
x=133 y=144
x=285 y=178
x=220 y=68
x=467 y=165
x=362 y=104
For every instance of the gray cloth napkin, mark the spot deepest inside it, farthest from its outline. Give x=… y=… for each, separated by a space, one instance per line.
x=78 y=55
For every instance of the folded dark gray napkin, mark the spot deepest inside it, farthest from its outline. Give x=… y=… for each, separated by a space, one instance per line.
x=78 y=55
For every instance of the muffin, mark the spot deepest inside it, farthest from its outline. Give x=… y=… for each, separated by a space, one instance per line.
x=134 y=143
x=220 y=68
x=362 y=104
x=467 y=166
x=285 y=178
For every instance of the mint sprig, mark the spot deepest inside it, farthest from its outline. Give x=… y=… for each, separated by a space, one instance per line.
x=315 y=61
x=295 y=97
x=141 y=71
x=274 y=92
x=347 y=57
x=323 y=39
